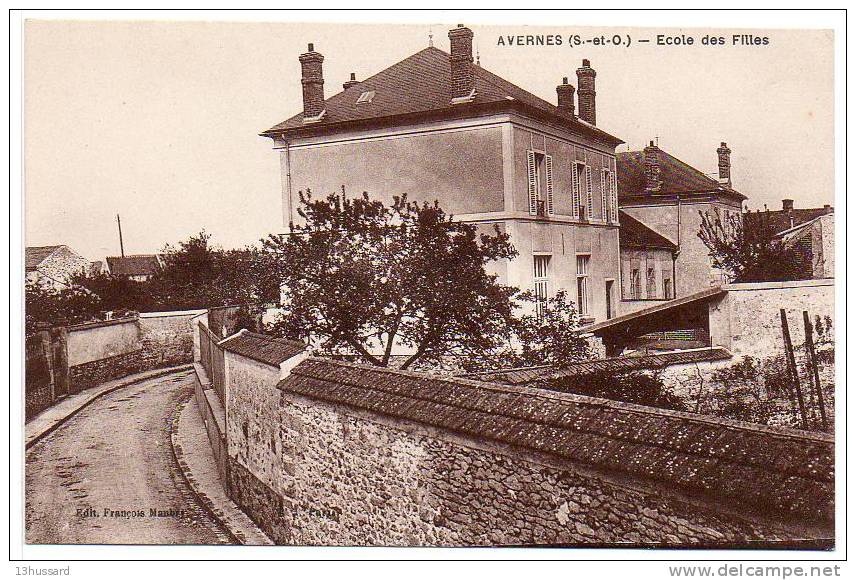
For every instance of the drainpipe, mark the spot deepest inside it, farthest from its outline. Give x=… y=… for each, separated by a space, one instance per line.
x=290 y=202
x=676 y=254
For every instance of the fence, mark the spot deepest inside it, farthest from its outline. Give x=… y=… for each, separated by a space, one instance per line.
x=212 y=359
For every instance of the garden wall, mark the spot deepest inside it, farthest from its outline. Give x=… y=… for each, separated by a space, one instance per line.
x=341 y=454
x=746 y=321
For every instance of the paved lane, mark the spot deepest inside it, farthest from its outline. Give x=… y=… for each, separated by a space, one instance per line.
x=108 y=475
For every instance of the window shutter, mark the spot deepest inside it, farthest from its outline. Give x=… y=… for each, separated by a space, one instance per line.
x=533 y=185
x=588 y=192
x=604 y=196
x=614 y=195
x=575 y=195
x=548 y=165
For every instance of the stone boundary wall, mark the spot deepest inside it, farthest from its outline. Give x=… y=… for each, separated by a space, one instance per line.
x=746 y=320
x=340 y=454
x=105 y=350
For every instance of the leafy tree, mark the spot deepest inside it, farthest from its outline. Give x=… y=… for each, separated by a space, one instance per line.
x=551 y=338
x=749 y=252
x=361 y=277
x=58 y=307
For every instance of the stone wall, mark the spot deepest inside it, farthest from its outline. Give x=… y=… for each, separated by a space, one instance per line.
x=102 y=351
x=167 y=337
x=95 y=341
x=92 y=373
x=340 y=454
x=746 y=321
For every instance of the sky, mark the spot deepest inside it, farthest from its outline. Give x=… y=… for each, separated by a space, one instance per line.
x=159 y=121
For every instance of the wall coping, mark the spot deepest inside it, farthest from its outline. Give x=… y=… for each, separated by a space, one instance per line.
x=99 y=323
x=780 y=470
x=744 y=286
x=173 y=313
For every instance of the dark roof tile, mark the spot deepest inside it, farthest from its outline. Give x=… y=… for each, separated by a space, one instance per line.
x=135 y=265
x=262 y=348
x=699 y=454
x=676 y=176
x=421 y=83
x=634 y=234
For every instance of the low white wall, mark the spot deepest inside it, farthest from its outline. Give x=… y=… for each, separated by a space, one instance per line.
x=100 y=340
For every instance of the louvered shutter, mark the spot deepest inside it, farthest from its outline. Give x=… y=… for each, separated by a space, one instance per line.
x=588 y=192
x=614 y=194
x=548 y=169
x=604 y=195
x=533 y=183
x=575 y=195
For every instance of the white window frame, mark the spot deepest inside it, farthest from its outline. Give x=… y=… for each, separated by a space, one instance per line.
x=583 y=285
x=535 y=185
x=541 y=275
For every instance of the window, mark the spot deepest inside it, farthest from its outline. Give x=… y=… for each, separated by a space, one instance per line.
x=540 y=169
x=609 y=306
x=635 y=284
x=608 y=196
x=583 y=284
x=667 y=288
x=366 y=97
x=651 y=283
x=541 y=264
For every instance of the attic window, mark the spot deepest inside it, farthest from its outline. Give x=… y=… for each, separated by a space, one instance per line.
x=366 y=97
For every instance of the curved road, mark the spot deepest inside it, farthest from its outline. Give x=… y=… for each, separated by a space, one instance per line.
x=108 y=476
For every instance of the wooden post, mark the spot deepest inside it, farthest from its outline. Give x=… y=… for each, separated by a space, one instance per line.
x=812 y=357
x=792 y=366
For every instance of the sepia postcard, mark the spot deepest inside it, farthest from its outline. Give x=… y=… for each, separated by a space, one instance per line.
x=437 y=284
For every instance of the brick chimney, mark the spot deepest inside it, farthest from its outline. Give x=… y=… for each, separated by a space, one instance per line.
x=461 y=59
x=787 y=205
x=652 y=168
x=313 y=83
x=586 y=93
x=565 y=93
x=351 y=82
x=724 y=155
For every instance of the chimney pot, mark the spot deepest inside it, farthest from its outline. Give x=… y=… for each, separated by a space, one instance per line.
x=723 y=154
x=351 y=82
x=565 y=94
x=652 y=168
x=461 y=62
x=787 y=204
x=312 y=79
x=586 y=93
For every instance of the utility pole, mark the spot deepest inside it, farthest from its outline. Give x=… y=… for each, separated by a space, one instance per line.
x=121 y=244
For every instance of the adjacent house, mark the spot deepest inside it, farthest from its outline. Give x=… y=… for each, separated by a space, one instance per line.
x=668 y=196
x=53 y=266
x=648 y=264
x=138 y=267
x=439 y=126
x=811 y=231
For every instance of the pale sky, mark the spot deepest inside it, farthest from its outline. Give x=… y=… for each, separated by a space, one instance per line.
x=159 y=122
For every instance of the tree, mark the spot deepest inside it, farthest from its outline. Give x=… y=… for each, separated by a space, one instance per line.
x=749 y=252
x=198 y=274
x=58 y=307
x=549 y=338
x=361 y=277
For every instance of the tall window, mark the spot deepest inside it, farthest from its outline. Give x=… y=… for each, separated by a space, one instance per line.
x=608 y=197
x=635 y=284
x=541 y=264
x=583 y=284
x=651 y=283
x=540 y=169
x=667 y=288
